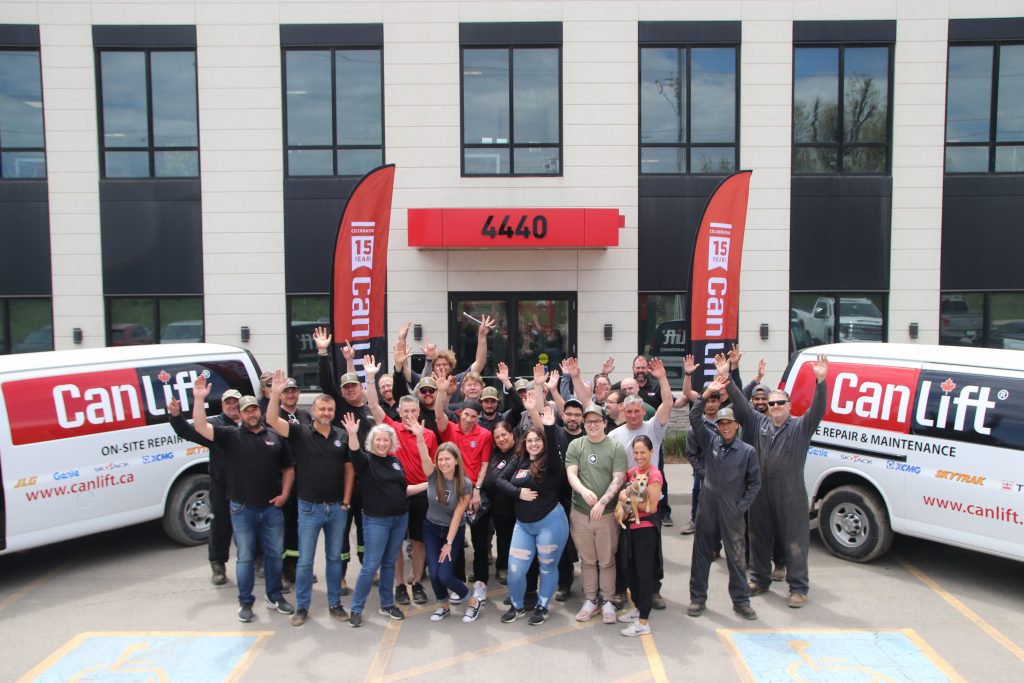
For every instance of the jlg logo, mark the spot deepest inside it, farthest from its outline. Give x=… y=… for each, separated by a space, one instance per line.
x=25 y=482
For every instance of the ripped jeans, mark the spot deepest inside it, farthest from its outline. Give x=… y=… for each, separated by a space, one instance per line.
x=547 y=538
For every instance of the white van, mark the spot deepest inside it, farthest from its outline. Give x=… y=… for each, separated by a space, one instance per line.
x=921 y=440
x=85 y=445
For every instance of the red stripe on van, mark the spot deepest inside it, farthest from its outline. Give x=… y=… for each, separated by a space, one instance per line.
x=875 y=396
x=63 y=406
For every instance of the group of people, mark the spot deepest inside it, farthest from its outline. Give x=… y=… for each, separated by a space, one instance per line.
x=437 y=460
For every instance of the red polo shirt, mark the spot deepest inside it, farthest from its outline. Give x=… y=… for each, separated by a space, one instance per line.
x=409 y=453
x=475 y=447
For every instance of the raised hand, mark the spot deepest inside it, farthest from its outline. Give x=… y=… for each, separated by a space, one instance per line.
x=552 y=383
x=689 y=367
x=734 y=356
x=502 y=373
x=820 y=367
x=201 y=389
x=350 y=423
x=174 y=407
x=430 y=350
x=401 y=353
x=348 y=352
x=414 y=426
x=277 y=381
x=656 y=368
x=722 y=364
x=548 y=416
x=403 y=331
x=486 y=325
x=608 y=366
x=538 y=376
x=322 y=339
x=370 y=366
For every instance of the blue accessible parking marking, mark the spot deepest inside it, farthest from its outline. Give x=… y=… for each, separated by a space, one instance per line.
x=163 y=656
x=895 y=656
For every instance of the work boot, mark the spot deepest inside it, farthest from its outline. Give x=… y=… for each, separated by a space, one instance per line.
x=219 y=577
x=797 y=600
x=745 y=611
x=779 y=573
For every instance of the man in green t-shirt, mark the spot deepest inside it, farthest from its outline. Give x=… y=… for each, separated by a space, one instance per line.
x=596 y=467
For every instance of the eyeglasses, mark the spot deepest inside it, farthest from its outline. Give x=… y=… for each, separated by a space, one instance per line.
x=777 y=403
x=593 y=423
x=427 y=390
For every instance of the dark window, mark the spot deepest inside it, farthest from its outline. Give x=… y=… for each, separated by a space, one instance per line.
x=154 y=320
x=26 y=325
x=662 y=328
x=688 y=106
x=149 y=115
x=989 y=319
x=21 y=115
x=826 y=318
x=985 y=109
x=334 y=111
x=306 y=312
x=841 y=117
x=511 y=111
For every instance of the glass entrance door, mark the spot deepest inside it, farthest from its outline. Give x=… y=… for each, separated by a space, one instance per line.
x=531 y=328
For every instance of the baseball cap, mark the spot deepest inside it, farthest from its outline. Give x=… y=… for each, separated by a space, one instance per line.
x=231 y=393
x=490 y=392
x=247 y=401
x=575 y=402
x=761 y=389
x=594 y=409
x=426 y=382
x=290 y=383
x=350 y=378
x=521 y=384
x=266 y=377
x=725 y=414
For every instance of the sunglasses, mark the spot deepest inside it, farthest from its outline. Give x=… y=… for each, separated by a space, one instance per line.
x=427 y=390
x=777 y=403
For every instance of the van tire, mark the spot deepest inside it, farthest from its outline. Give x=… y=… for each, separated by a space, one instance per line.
x=853 y=524
x=188 y=514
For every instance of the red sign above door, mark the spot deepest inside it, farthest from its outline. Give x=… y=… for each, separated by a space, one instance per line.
x=514 y=228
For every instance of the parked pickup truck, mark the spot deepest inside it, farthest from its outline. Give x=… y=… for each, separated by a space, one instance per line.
x=959 y=325
x=859 y=320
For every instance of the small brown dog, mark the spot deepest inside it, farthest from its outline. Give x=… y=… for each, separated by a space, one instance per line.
x=635 y=492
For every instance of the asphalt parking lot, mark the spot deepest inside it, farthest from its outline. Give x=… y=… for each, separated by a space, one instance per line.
x=132 y=605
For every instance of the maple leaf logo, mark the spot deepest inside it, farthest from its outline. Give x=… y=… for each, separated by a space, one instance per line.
x=949 y=385
x=164 y=376
x=1006 y=486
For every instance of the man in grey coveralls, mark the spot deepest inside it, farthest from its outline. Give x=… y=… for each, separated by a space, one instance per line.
x=731 y=481
x=781 y=507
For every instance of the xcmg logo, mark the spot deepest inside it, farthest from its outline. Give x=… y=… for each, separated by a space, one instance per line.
x=904 y=400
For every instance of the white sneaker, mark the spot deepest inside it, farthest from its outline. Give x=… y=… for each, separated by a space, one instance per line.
x=608 y=612
x=630 y=616
x=480 y=591
x=588 y=610
x=440 y=613
x=636 y=629
x=455 y=599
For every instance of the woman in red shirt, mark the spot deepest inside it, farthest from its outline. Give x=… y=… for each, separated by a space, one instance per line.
x=644 y=539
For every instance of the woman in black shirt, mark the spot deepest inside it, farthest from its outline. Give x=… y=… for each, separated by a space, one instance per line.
x=385 y=514
x=541 y=528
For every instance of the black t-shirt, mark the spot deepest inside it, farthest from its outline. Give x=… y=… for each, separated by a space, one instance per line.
x=254 y=463
x=517 y=476
x=319 y=463
x=301 y=416
x=502 y=503
x=381 y=483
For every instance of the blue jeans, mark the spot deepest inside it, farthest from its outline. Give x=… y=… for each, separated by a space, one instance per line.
x=442 y=574
x=547 y=538
x=312 y=518
x=265 y=522
x=383 y=537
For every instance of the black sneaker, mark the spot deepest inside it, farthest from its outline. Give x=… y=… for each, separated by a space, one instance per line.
x=281 y=605
x=401 y=594
x=563 y=594
x=530 y=600
x=392 y=612
x=220 y=576
x=355 y=620
x=419 y=596
x=300 y=616
x=245 y=613
x=539 y=616
x=339 y=613
x=512 y=614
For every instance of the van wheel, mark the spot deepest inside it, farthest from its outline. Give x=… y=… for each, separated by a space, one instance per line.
x=188 y=514
x=853 y=524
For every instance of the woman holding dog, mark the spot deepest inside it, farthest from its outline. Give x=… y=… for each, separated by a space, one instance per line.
x=644 y=535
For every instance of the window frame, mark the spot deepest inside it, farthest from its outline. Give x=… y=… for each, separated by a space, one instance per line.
x=6 y=47
x=511 y=146
x=334 y=147
x=991 y=145
x=151 y=149
x=841 y=146
x=156 y=299
x=689 y=145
